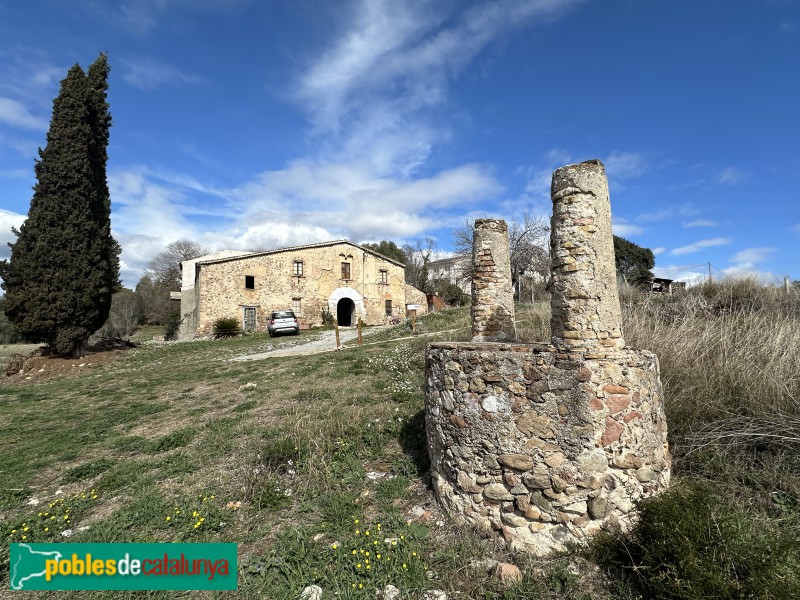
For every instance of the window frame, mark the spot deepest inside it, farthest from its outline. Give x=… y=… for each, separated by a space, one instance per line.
x=250 y=279
x=384 y=276
x=346 y=273
x=387 y=306
x=298 y=268
x=297 y=306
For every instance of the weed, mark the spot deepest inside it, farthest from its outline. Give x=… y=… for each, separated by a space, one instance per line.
x=175 y=439
x=87 y=470
x=691 y=543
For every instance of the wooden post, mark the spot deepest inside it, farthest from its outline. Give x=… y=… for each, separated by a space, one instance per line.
x=336 y=327
x=413 y=321
x=359 y=331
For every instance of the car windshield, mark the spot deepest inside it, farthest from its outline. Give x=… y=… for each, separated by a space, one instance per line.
x=285 y=314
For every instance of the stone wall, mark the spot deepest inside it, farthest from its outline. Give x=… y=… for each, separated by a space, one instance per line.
x=548 y=444
x=221 y=292
x=492 y=291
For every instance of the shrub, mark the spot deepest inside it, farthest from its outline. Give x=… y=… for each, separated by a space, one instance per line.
x=692 y=543
x=172 y=326
x=226 y=327
x=327 y=317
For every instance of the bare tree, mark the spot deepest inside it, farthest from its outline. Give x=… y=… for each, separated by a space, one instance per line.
x=528 y=239
x=165 y=267
x=418 y=257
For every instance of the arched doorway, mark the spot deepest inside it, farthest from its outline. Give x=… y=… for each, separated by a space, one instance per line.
x=345 y=309
x=347 y=305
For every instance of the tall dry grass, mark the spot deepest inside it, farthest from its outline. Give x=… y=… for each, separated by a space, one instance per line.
x=730 y=364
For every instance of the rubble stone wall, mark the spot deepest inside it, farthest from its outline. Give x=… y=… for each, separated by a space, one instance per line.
x=549 y=443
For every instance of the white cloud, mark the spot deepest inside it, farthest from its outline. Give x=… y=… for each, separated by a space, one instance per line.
x=8 y=220
x=700 y=245
x=745 y=263
x=148 y=75
x=622 y=228
x=732 y=176
x=659 y=250
x=625 y=165
x=700 y=223
x=669 y=212
x=304 y=203
x=375 y=91
x=795 y=228
x=17 y=114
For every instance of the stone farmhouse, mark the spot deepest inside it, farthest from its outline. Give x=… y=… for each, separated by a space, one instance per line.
x=339 y=277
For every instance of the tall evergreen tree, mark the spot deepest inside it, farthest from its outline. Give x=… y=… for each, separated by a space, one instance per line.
x=64 y=265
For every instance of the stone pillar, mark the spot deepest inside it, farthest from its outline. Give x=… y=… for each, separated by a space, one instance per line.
x=585 y=303
x=492 y=291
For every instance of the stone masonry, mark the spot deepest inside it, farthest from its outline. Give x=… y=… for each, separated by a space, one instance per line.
x=492 y=291
x=546 y=444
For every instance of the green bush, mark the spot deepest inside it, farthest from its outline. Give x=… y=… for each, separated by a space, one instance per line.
x=171 y=328
x=226 y=327
x=693 y=543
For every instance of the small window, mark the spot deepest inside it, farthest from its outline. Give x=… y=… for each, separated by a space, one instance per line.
x=249 y=282
x=388 y=308
x=296 y=306
x=384 y=276
x=345 y=270
x=297 y=268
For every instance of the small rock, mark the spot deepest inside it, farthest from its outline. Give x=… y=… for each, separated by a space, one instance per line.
x=519 y=462
x=507 y=573
x=66 y=533
x=389 y=593
x=497 y=491
x=490 y=404
x=311 y=592
x=375 y=475
x=485 y=565
x=318 y=537
x=434 y=595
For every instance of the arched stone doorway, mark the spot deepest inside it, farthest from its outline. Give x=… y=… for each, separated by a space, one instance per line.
x=345 y=312
x=347 y=305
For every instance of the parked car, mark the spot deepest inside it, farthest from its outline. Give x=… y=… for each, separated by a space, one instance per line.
x=283 y=321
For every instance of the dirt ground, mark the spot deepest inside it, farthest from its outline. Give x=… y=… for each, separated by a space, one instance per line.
x=39 y=368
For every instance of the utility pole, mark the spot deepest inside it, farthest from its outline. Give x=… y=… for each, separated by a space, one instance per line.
x=709 y=272
x=786 y=283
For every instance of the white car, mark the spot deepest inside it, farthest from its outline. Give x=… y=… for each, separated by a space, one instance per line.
x=283 y=321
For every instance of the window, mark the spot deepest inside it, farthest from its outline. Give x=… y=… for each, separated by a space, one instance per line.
x=249 y=282
x=297 y=268
x=388 y=308
x=384 y=276
x=296 y=306
x=345 y=270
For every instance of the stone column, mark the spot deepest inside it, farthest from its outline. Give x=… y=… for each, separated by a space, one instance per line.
x=585 y=302
x=492 y=291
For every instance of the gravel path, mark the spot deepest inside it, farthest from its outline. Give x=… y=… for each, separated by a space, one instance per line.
x=324 y=343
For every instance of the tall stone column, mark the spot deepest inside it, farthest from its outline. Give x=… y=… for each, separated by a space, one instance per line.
x=492 y=291
x=585 y=302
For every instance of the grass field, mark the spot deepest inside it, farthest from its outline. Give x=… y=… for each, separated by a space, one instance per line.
x=297 y=458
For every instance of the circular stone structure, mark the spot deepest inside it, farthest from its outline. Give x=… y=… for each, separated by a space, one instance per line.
x=547 y=444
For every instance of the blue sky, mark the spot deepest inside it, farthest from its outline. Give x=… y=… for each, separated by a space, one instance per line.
x=246 y=124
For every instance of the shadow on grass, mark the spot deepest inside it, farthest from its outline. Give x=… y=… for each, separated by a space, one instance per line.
x=414 y=441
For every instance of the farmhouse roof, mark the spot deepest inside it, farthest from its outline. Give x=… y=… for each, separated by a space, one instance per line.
x=296 y=248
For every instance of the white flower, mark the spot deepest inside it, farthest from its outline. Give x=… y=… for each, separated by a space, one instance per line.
x=66 y=533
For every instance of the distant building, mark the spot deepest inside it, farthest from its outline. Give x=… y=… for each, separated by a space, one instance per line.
x=339 y=277
x=452 y=270
x=668 y=286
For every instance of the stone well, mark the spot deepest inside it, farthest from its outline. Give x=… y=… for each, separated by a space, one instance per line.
x=548 y=443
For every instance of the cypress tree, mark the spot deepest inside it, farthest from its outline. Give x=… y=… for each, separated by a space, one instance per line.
x=64 y=265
